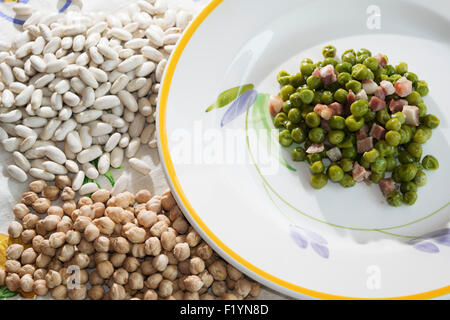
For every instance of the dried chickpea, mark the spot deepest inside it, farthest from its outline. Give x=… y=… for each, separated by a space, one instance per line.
x=68 y=194
x=207 y=296
x=12 y=282
x=233 y=273
x=174 y=213
x=170 y=273
x=55 y=265
x=160 y=262
x=39 y=274
x=193 y=239
x=27 y=236
x=29 y=197
x=242 y=288
x=66 y=252
x=26 y=269
x=218 y=270
x=165 y=288
x=41 y=205
x=193 y=283
x=51 y=192
x=117 y=259
x=207 y=279
x=26 y=283
x=14 y=251
x=105 y=269
x=196 y=265
x=168 y=240
x=105 y=225
x=20 y=210
x=73 y=237
x=102 y=244
x=81 y=259
x=138 y=250
x=86 y=211
x=101 y=195
x=167 y=200
x=121 y=276
x=154 y=204
x=84 y=201
x=180 y=225
x=28 y=256
x=142 y=196
x=43 y=260
x=15 y=229
x=95 y=279
x=65 y=225
x=120 y=245
x=136 y=235
x=117 y=292
x=229 y=296
x=219 y=288
x=81 y=223
x=2 y=277
x=153 y=281
x=53 y=279
x=164 y=218
x=152 y=246
x=96 y=292
x=91 y=232
x=55 y=211
x=182 y=251
x=37 y=186
x=78 y=292
x=63 y=181
x=51 y=222
x=59 y=292
x=98 y=209
x=131 y=264
x=57 y=239
x=158 y=228
x=30 y=220
x=40 y=287
x=150 y=295
x=69 y=206
x=230 y=283
x=191 y=296
x=146 y=218
x=136 y=281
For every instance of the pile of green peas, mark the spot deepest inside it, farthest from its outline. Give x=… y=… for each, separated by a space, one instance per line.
x=398 y=155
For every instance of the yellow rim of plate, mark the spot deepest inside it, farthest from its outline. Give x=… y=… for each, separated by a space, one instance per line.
x=170 y=171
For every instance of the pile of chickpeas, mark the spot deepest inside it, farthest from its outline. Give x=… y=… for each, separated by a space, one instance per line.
x=127 y=246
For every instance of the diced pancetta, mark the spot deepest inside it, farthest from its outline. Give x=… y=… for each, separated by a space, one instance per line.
x=325 y=125
x=377 y=132
x=350 y=97
x=337 y=108
x=369 y=86
x=361 y=95
x=275 y=105
x=412 y=115
x=360 y=173
x=323 y=111
x=376 y=104
x=382 y=60
x=387 y=87
x=316 y=73
x=361 y=134
x=334 y=154
x=364 y=145
x=380 y=93
x=315 y=148
x=403 y=87
x=397 y=105
x=386 y=186
x=328 y=74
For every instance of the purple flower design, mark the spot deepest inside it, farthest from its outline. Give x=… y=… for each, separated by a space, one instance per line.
x=302 y=237
x=21 y=21
x=239 y=106
x=430 y=241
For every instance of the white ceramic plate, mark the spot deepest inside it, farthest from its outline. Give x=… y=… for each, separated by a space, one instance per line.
x=251 y=202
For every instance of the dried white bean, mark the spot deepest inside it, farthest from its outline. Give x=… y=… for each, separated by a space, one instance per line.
x=17 y=173
x=78 y=180
x=41 y=174
x=54 y=167
x=71 y=166
x=117 y=156
x=74 y=142
x=104 y=163
x=90 y=171
x=21 y=161
x=89 y=154
x=121 y=185
x=139 y=165
x=133 y=147
x=88 y=188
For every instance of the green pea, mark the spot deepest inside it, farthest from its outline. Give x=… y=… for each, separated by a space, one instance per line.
x=375 y=177
x=285 y=138
x=360 y=72
x=384 y=148
x=343 y=67
x=409 y=198
x=335 y=173
x=353 y=123
x=349 y=57
x=327 y=97
x=298 y=154
x=297 y=80
x=313 y=157
x=348 y=143
x=290 y=126
x=379 y=165
x=395 y=176
x=405 y=157
x=286 y=92
x=337 y=122
x=316 y=135
x=317 y=97
x=349 y=153
x=393 y=124
x=421 y=136
x=353 y=85
x=422 y=109
x=405 y=135
x=401 y=68
x=346 y=164
x=295 y=115
x=287 y=105
x=418 y=165
x=364 y=163
x=312 y=120
x=390 y=70
x=420 y=179
x=283 y=77
x=394 y=198
x=279 y=120
x=317 y=167
x=318 y=180
x=371 y=63
x=408 y=186
x=295 y=100
x=369 y=116
x=371 y=156
x=359 y=108
x=411 y=76
x=400 y=117
x=306 y=96
x=307 y=60
x=329 y=51
x=422 y=88
x=430 y=163
x=380 y=71
x=415 y=149
x=307 y=69
x=391 y=164
x=361 y=58
x=340 y=95
x=431 y=121
x=364 y=51
x=298 y=135
x=347 y=181
x=336 y=136
x=313 y=82
x=406 y=172
x=414 y=98
x=343 y=78
x=331 y=61
x=393 y=138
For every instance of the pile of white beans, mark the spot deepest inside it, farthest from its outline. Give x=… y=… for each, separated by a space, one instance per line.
x=78 y=87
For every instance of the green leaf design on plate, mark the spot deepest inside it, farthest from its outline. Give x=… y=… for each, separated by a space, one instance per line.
x=262 y=120
x=229 y=96
x=5 y=293
x=108 y=175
